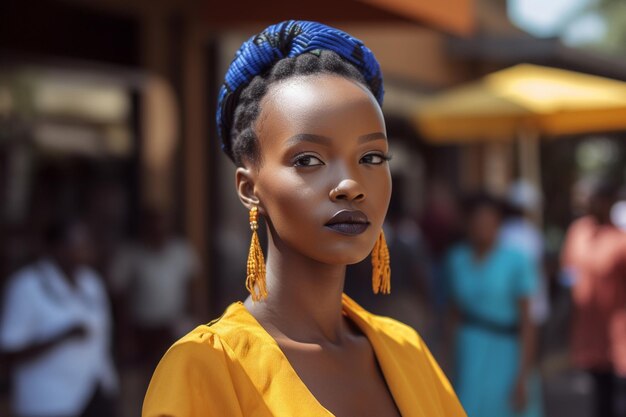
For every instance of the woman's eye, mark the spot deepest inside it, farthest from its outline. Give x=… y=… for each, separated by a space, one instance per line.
x=374 y=159
x=307 y=161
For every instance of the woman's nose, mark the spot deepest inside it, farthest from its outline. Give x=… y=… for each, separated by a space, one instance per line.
x=347 y=190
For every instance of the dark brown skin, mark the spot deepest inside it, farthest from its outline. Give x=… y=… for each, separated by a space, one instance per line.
x=298 y=186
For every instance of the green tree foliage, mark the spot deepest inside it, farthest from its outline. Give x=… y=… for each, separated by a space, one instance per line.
x=613 y=12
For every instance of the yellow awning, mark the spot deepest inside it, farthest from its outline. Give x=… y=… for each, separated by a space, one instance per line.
x=548 y=101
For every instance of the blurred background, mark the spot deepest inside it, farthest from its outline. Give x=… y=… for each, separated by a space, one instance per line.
x=107 y=127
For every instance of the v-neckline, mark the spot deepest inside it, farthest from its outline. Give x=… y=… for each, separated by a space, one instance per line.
x=485 y=260
x=361 y=323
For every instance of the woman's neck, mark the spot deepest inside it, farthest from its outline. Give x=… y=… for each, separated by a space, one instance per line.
x=67 y=270
x=304 y=297
x=482 y=249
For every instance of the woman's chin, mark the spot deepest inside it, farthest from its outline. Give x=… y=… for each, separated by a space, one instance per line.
x=347 y=252
x=343 y=257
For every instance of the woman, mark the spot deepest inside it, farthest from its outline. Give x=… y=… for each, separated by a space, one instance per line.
x=490 y=286
x=300 y=116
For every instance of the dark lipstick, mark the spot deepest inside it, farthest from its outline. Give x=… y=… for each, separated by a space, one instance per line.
x=349 y=222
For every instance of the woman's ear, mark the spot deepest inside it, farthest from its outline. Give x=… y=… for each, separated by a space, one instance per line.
x=244 y=179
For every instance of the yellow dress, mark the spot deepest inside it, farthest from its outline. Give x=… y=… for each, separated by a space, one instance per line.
x=233 y=368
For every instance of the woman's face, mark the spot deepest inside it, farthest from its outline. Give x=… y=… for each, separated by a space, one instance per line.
x=484 y=225
x=323 y=183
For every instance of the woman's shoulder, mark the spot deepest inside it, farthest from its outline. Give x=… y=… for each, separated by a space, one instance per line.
x=215 y=335
x=457 y=251
x=202 y=336
x=199 y=349
x=405 y=336
x=200 y=371
x=396 y=330
x=24 y=280
x=391 y=325
x=456 y=258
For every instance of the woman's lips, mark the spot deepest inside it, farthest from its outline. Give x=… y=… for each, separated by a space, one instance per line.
x=349 y=222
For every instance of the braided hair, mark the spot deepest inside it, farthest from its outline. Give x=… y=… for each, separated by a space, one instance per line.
x=282 y=51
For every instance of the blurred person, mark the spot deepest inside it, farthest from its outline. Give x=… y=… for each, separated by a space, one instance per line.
x=300 y=116
x=490 y=288
x=55 y=331
x=520 y=232
x=153 y=281
x=593 y=259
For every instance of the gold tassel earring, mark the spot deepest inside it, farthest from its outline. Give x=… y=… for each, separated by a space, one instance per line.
x=381 y=271
x=255 y=274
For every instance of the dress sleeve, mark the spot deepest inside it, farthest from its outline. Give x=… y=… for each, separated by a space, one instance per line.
x=19 y=316
x=193 y=380
x=528 y=276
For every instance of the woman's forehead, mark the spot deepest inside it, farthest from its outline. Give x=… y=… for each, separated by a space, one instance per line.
x=307 y=91
x=319 y=103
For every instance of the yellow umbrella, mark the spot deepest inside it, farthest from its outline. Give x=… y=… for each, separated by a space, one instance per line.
x=530 y=98
x=525 y=102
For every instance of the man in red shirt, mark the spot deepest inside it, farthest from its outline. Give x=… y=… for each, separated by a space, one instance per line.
x=594 y=256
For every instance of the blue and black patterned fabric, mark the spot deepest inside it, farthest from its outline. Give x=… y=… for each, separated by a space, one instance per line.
x=289 y=39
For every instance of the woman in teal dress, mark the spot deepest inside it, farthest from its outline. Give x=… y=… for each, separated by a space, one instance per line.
x=489 y=288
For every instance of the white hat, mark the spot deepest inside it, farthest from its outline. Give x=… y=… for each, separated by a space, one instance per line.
x=523 y=195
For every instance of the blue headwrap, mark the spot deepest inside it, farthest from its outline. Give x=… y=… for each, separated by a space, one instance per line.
x=289 y=39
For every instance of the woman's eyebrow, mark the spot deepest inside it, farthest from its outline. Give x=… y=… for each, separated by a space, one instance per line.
x=309 y=137
x=325 y=140
x=372 y=136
